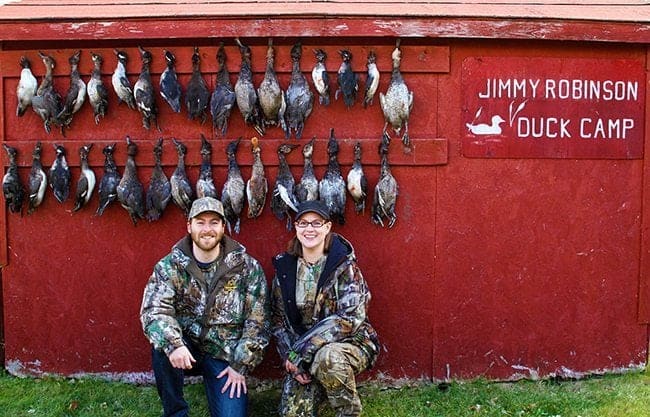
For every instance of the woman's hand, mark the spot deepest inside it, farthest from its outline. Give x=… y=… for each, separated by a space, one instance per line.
x=302 y=377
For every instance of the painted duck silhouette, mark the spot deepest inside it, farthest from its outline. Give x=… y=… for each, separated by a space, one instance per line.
x=487 y=129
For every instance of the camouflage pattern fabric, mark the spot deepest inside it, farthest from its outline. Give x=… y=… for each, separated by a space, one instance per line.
x=225 y=317
x=333 y=371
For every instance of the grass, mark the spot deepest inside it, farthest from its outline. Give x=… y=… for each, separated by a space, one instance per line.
x=607 y=396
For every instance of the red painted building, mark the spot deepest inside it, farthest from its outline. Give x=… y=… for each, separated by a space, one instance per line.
x=521 y=247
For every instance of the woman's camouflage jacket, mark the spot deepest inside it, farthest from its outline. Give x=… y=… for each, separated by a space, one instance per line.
x=340 y=309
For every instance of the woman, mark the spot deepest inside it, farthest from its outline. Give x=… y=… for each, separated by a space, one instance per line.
x=319 y=318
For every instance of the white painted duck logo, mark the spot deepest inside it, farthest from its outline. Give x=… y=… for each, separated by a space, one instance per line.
x=494 y=128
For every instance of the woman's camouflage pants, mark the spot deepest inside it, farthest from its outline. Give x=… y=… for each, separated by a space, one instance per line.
x=333 y=376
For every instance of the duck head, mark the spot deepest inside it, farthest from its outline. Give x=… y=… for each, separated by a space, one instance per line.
x=320 y=55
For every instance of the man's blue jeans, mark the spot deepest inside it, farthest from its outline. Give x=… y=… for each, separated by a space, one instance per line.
x=169 y=381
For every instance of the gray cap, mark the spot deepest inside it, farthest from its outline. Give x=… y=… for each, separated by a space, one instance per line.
x=201 y=205
x=314 y=206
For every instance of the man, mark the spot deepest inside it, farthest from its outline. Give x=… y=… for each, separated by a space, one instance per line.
x=205 y=312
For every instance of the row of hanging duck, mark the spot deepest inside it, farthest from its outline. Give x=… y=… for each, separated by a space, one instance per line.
x=266 y=106
x=150 y=204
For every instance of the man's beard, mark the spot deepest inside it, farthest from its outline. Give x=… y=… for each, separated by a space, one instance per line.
x=207 y=247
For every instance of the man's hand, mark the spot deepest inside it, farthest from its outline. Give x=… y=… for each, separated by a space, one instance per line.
x=236 y=382
x=181 y=358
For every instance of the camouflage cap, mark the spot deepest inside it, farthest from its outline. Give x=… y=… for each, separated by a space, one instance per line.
x=201 y=205
x=313 y=206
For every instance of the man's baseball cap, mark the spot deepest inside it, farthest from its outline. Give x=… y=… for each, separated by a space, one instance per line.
x=201 y=205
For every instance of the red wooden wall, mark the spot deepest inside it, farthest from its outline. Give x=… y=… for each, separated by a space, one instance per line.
x=496 y=267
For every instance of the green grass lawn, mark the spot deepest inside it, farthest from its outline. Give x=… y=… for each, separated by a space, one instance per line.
x=625 y=395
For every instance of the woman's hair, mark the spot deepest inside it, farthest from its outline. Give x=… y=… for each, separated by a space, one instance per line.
x=295 y=247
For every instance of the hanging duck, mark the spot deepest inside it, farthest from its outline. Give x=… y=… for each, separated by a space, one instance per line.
x=386 y=190
x=347 y=79
x=223 y=97
x=270 y=95
x=97 y=91
x=76 y=95
x=307 y=188
x=372 y=80
x=233 y=195
x=357 y=182
x=26 y=88
x=299 y=97
x=130 y=192
x=86 y=182
x=145 y=98
x=245 y=91
x=398 y=100
x=59 y=176
x=181 y=187
x=47 y=102
x=37 y=180
x=205 y=184
x=12 y=187
x=108 y=185
x=197 y=95
x=257 y=186
x=332 y=187
x=159 y=191
x=320 y=78
x=283 y=197
x=120 y=81
x=170 y=88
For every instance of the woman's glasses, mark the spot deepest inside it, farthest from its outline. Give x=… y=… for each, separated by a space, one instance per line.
x=316 y=224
